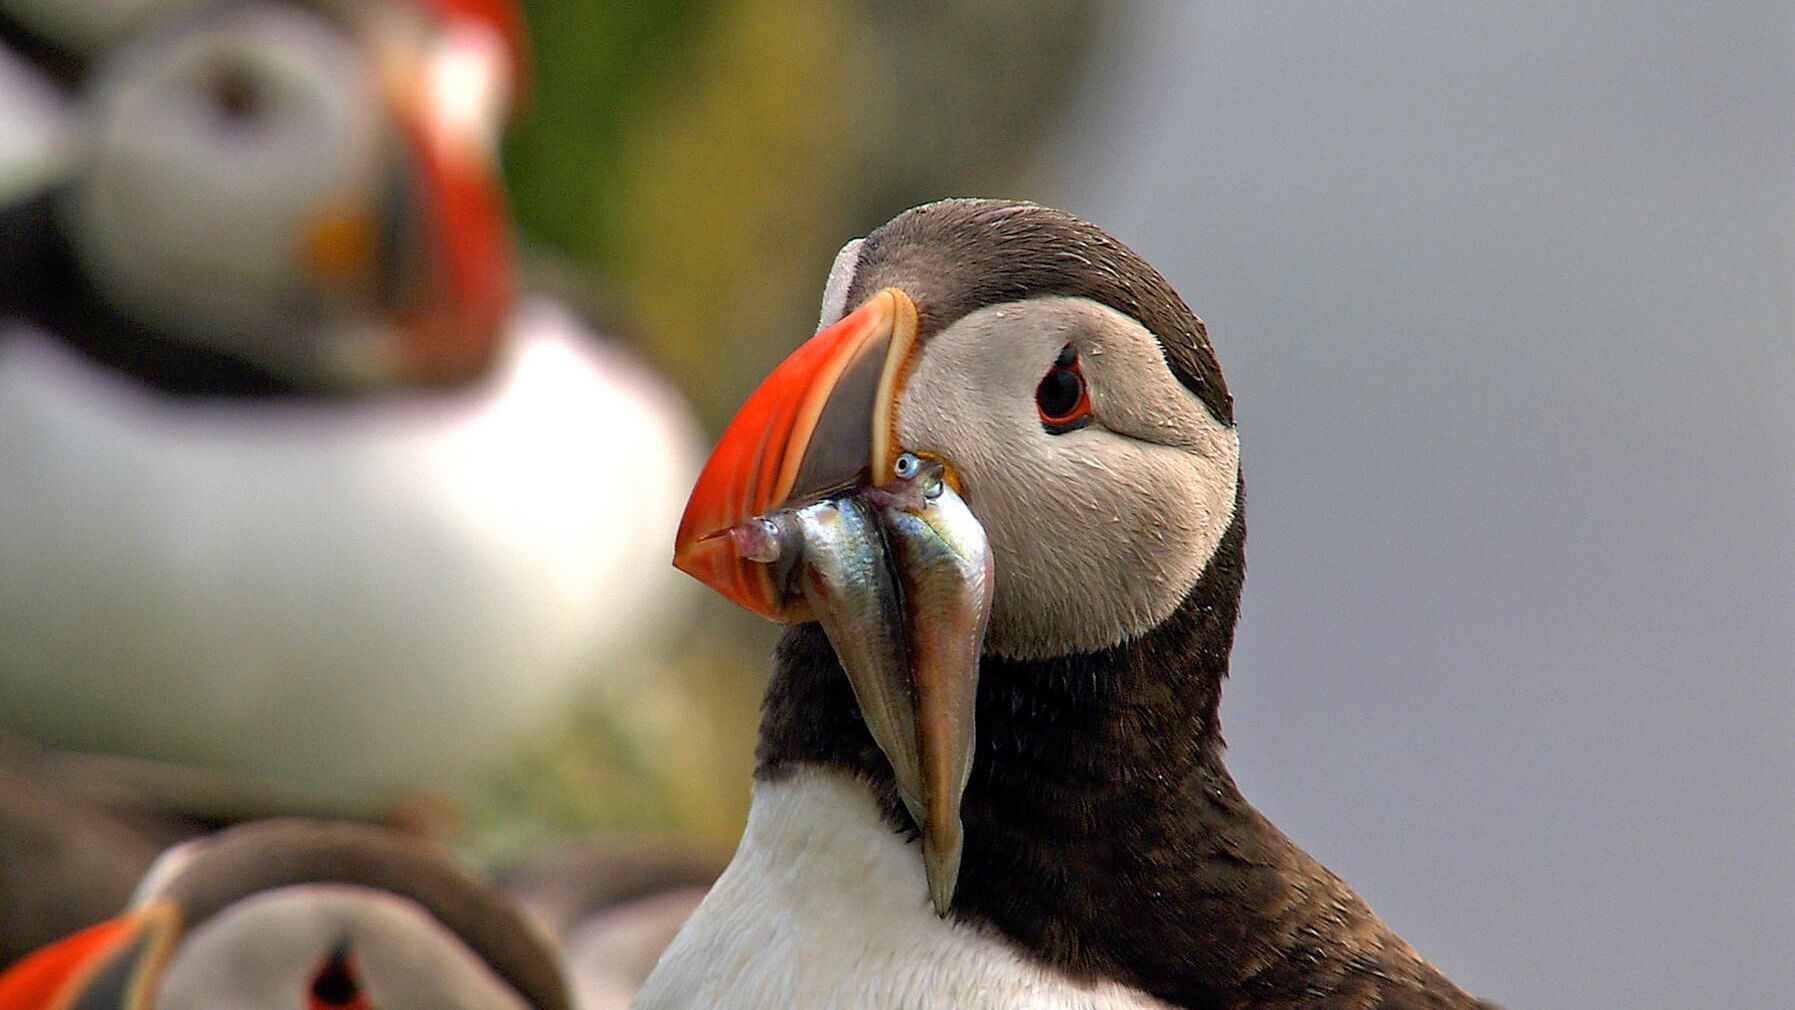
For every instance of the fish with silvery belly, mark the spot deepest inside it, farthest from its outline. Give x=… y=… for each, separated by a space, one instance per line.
x=899 y=576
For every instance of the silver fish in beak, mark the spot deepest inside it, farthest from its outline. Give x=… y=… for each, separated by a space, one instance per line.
x=832 y=552
x=900 y=578
x=945 y=561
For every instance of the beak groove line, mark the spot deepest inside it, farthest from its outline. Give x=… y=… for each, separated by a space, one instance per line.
x=891 y=378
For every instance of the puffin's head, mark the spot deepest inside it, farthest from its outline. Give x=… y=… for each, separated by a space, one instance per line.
x=287 y=914
x=1074 y=403
x=311 y=188
x=1070 y=393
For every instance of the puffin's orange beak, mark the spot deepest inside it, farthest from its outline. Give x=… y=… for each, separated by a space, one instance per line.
x=822 y=420
x=494 y=32
x=452 y=328
x=111 y=965
x=429 y=243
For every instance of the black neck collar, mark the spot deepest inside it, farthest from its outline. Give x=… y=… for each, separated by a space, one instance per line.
x=60 y=65
x=42 y=285
x=1105 y=836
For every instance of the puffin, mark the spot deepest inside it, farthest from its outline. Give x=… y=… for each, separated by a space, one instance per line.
x=997 y=498
x=277 y=914
x=302 y=481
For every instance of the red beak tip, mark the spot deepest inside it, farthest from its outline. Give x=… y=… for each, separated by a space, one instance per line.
x=714 y=561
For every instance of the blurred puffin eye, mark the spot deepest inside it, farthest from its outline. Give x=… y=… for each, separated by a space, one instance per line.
x=336 y=986
x=236 y=95
x=1062 y=399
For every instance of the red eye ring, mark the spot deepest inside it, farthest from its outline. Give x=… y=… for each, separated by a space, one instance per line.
x=1063 y=400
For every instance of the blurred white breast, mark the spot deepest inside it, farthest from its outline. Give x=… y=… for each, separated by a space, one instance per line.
x=347 y=595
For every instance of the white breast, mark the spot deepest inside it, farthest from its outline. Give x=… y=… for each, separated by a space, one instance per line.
x=352 y=596
x=825 y=906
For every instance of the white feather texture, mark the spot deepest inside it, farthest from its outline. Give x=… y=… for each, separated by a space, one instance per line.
x=824 y=906
x=355 y=596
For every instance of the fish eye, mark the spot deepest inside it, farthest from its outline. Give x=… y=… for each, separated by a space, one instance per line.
x=906 y=466
x=1062 y=399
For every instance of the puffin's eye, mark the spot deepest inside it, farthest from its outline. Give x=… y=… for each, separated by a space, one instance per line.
x=1062 y=399
x=336 y=985
x=236 y=95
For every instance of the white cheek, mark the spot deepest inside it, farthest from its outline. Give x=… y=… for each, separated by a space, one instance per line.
x=195 y=224
x=1098 y=534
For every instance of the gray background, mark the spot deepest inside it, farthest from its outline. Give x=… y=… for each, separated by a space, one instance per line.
x=1504 y=294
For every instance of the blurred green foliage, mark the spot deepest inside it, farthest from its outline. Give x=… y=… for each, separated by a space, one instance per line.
x=689 y=154
x=666 y=749
x=588 y=65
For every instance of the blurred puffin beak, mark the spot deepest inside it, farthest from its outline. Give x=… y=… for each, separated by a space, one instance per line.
x=486 y=44
x=893 y=566
x=822 y=421
x=429 y=243
x=113 y=965
x=450 y=326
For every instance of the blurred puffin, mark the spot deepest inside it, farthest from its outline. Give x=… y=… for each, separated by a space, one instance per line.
x=1100 y=855
x=274 y=915
x=295 y=485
